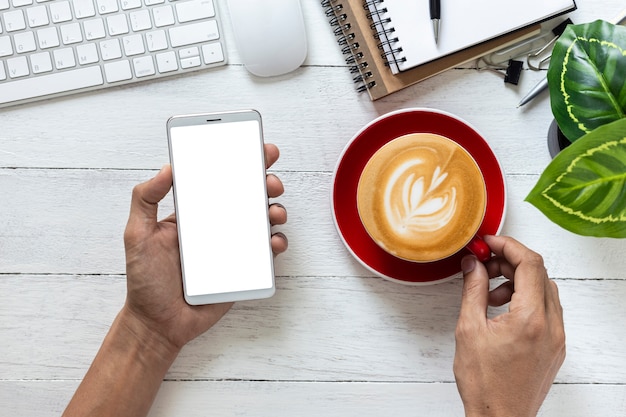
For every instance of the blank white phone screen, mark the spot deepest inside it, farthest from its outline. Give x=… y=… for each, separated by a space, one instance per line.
x=221 y=207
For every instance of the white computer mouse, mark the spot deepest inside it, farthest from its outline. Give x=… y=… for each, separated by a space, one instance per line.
x=269 y=35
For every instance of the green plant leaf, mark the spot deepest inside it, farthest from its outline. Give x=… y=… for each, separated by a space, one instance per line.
x=583 y=189
x=587 y=77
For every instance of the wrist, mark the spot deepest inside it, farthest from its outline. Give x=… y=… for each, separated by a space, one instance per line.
x=495 y=411
x=156 y=347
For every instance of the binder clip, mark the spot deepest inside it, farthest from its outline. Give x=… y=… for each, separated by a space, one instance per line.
x=511 y=73
x=526 y=47
x=547 y=49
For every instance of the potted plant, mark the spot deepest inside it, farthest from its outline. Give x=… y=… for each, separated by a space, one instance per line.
x=583 y=189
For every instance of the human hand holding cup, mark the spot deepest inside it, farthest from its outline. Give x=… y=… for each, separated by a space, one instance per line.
x=422 y=198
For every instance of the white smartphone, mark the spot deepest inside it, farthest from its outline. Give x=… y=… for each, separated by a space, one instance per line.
x=221 y=203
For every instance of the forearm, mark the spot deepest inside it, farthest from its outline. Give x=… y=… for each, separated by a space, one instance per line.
x=125 y=375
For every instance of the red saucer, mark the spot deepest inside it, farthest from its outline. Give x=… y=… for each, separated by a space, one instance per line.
x=352 y=161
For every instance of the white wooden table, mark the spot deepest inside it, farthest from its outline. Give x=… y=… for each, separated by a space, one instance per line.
x=335 y=340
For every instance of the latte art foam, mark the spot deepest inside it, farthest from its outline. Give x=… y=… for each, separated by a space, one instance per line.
x=418 y=209
x=421 y=197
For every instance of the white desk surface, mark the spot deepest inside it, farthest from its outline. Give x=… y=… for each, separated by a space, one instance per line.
x=335 y=340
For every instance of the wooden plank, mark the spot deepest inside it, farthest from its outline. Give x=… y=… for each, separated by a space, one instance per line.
x=71 y=221
x=315 y=329
x=258 y=399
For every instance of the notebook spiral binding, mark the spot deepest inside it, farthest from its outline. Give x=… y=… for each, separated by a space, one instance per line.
x=383 y=32
x=349 y=46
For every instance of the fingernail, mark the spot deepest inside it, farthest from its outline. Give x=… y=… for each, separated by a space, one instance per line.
x=468 y=264
x=281 y=234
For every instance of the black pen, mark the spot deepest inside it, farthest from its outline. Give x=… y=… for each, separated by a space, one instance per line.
x=435 y=16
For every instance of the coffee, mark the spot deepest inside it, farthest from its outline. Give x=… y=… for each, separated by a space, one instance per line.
x=421 y=197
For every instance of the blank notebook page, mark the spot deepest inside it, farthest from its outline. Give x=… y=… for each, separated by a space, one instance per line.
x=463 y=23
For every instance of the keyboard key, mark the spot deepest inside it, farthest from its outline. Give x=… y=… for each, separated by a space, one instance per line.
x=110 y=49
x=156 y=40
x=14 y=20
x=190 y=62
x=94 y=29
x=4 y=4
x=144 y=66
x=194 y=33
x=117 y=25
x=153 y=2
x=17 y=67
x=48 y=38
x=84 y=8
x=71 y=34
x=24 y=42
x=48 y=84
x=194 y=10
x=117 y=71
x=60 y=11
x=6 y=48
x=40 y=62
x=212 y=53
x=166 y=62
x=64 y=58
x=87 y=53
x=37 y=16
x=133 y=45
x=188 y=52
x=3 y=74
x=140 y=20
x=163 y=16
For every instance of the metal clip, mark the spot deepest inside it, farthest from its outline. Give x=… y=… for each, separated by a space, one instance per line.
x=547 y=49
x=511 y=73
x=537 y=55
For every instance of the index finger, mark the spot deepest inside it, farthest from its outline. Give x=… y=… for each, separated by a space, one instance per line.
x=530 y=274
x=475 y=296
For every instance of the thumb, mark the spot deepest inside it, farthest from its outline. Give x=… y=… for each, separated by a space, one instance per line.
x=475 y=297
x=147 y=195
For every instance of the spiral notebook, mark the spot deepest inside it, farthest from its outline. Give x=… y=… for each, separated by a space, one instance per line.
x=353 y=25
x=406 y=31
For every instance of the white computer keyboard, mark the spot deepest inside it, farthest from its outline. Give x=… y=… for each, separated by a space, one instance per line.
x=51 y=48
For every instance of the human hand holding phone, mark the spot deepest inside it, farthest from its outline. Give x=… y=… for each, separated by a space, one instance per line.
x=505 y=366
x=155 y=294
